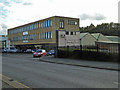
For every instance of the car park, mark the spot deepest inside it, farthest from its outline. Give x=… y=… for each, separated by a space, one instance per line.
x=51 y=52
x=39 y=53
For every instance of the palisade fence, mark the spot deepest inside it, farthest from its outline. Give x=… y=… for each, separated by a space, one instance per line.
x=88 y=53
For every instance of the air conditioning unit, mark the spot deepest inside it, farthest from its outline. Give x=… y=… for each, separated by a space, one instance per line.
x=62 y=36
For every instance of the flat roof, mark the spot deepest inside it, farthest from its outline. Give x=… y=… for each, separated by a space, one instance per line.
x=42 y=20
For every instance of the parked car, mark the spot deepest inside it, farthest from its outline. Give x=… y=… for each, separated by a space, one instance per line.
x=51 y=52
x=12 y=49
x=39 y=53
x=4 y=50
x=28 y=51
x=34 y=50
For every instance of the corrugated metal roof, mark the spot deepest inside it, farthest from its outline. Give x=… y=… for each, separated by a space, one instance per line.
x=96 y=35
x=114 y=38
x=112 y=42
x=83 y=35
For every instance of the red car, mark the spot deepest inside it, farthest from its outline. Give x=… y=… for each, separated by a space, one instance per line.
x=39 y=53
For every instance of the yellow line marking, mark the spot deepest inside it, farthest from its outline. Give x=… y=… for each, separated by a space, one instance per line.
x=13 y=83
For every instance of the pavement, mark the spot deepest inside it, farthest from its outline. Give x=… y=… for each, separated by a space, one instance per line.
x=5 y=85
x=9 y=83
x=83 y=63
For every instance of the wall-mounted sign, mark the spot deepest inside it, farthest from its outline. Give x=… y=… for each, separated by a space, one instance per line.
x=25 y=41
x=25 y=33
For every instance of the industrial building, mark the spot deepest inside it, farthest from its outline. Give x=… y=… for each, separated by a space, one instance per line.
x=42 y=33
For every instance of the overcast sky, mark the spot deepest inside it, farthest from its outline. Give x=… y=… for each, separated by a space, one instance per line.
x=18 y=12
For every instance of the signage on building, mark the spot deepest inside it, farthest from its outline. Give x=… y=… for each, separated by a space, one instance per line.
x=25 y=41
x=25 y=33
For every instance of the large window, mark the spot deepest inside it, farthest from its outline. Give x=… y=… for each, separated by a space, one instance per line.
x=48 y=23
x=39 y=24
x=41 y=36
x=50 y=34
x=61 y=24
x=51 y=22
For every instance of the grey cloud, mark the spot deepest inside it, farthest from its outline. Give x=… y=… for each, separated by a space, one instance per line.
x=27 y=3
x=90 y=17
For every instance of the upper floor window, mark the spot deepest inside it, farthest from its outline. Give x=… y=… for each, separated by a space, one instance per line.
x=41 y=25
x=48 y=23
x=67 y=33
x=71 y=33
x=61 y=24
x=51 y=22
x=50 y=34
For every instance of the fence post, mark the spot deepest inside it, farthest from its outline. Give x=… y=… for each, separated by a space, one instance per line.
x=67 y=51
x=81 y=47
x=97 y=48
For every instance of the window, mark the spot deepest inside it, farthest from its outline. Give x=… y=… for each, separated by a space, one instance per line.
x=61 y=24
x=48 y=23
x=71 y=33
x=51 y=22
x=69 y=22
x=67 y=33
x=50 y=34
x=41 y=25
x=35 y=26
x=41 y=36
x=44 y=24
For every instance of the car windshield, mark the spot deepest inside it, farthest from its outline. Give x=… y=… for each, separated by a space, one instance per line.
x=51 y=51
x=39 y=51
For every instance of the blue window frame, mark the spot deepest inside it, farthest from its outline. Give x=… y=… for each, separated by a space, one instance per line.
x=50 y=34
x=37 y=25
x=48 y=23
x=51 y=22
x=44 y=24
x=41 y=25
x=41 y=35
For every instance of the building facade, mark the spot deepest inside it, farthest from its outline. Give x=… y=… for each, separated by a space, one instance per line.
x=3 y=41
x=68 y=38
x=42 y=32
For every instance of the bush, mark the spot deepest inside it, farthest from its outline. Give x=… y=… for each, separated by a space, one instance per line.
x=88 y=55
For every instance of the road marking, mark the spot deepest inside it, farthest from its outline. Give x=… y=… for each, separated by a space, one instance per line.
x=13 y=83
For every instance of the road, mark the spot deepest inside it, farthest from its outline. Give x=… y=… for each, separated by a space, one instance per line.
x=37 y=74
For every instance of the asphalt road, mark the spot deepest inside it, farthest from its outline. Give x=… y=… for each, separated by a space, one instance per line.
x=37 y=74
